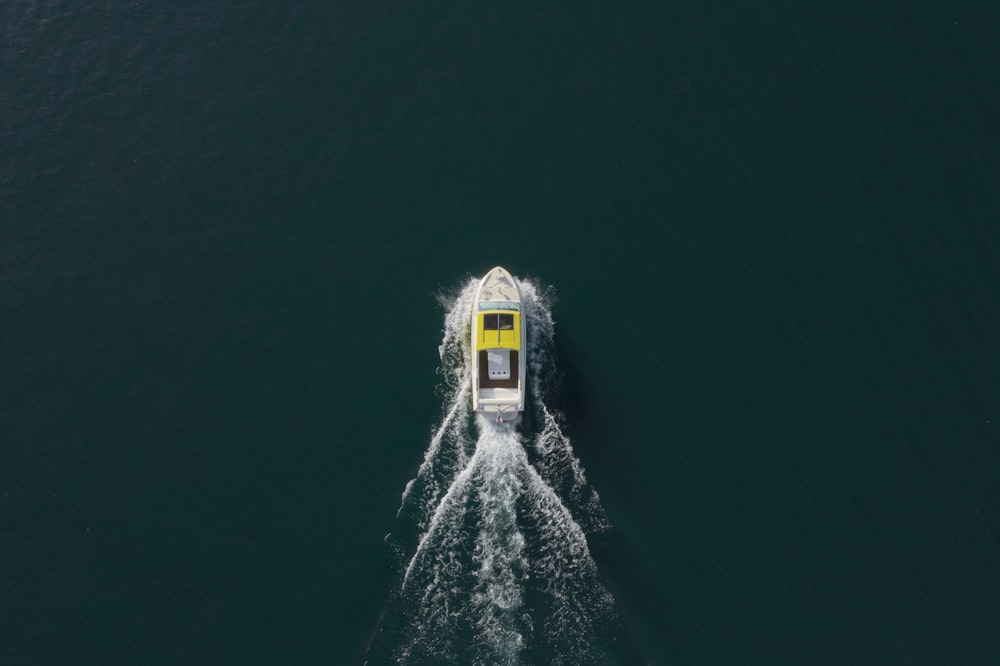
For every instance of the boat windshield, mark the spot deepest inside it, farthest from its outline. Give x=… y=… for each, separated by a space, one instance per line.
x=498 y=305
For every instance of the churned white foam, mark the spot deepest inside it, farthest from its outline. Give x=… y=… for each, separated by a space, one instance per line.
x=499 y=550
x=498 y=566
x=448 y=451
x=561 y=469
x=451 y=431
x=554 y=455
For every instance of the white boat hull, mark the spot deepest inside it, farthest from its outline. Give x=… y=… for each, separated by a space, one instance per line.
x=499 y=347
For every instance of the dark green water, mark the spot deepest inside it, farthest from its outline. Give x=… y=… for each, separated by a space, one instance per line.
x=773 y=232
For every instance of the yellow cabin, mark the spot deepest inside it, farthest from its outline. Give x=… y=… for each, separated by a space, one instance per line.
x=498 y=329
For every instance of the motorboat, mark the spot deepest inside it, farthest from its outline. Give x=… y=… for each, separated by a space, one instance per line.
x=498 y=347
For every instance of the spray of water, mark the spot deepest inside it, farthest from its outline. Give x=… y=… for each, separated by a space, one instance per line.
x=492 y=544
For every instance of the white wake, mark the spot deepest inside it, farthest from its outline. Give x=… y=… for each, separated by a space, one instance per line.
x=492 y=545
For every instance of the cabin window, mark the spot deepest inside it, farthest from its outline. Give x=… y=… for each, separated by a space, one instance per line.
x=496 y=321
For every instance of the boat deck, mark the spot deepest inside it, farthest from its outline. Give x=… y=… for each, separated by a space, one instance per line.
x=487 y=382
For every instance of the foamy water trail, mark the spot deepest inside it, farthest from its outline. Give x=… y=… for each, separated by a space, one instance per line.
x=495 y=564
x=553 y=452
x=451 y=434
